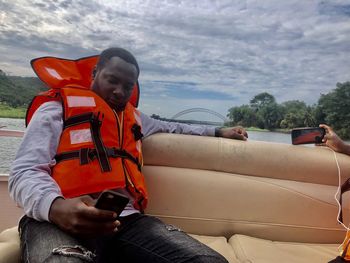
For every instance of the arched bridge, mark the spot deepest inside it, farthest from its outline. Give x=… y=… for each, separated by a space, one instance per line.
x=223 y=118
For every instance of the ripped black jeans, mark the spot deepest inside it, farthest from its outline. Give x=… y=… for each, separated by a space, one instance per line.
x=141 y=238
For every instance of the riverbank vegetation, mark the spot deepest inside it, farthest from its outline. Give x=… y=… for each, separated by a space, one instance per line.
x=10 y=112
x=265 y=113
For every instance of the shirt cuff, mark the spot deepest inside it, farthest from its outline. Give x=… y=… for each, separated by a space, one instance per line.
x=217 y=132
x=44 y=208
x=210 y=131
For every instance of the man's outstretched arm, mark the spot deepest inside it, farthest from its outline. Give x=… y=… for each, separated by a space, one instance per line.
x=151 y=126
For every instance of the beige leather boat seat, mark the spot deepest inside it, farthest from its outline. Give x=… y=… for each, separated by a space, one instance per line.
x=9 y=246
x=255 y=250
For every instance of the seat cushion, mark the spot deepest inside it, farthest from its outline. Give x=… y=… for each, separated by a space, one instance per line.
x=9 y=246
x=220 y=245
x=254 y=250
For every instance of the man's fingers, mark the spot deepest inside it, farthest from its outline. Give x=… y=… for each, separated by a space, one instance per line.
x=242 y=132
x=326 y=127
x=245 y=134
x=87 y=200
x=100 y=215
x=93 y=228
x=239 y=136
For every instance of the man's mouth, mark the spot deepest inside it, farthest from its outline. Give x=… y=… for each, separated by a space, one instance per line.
x=116 y=104
x=114 y=101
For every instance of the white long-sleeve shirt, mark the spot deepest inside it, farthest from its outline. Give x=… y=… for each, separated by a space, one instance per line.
x=30 y=181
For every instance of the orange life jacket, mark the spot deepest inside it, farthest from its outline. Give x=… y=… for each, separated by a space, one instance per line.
x=98 y=149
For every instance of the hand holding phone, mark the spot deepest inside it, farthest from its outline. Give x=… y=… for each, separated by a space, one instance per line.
x=112 y=201
x=307 y=135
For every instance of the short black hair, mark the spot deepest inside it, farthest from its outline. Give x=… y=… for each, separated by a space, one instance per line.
x=122 y=53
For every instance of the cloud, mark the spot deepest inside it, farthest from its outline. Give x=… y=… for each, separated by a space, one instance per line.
x=215 y=51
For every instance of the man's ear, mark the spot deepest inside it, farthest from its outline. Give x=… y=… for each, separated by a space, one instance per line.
x=94 y=73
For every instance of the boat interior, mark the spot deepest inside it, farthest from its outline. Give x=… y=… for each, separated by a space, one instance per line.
x=251 y=201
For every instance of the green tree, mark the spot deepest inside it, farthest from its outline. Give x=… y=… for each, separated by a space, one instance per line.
x=261 y=100
x=334 y=108
x=243 y=115
x=269 y=113
x=297 y=114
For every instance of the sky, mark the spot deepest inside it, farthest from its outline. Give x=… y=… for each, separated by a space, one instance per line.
x=192 y=54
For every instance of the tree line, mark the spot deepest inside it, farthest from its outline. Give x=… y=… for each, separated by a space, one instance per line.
x=264 y=112
x=18 y=91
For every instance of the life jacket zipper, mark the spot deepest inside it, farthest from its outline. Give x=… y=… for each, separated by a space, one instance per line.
x=121 y=141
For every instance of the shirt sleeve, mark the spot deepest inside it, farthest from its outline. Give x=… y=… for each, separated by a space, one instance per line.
x=30 y=181
x=151 y=126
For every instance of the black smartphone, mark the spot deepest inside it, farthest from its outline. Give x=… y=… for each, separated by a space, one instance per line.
x=111 y=200
x=307 y=135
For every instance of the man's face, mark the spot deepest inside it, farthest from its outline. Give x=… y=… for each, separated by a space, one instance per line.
x=114 y=82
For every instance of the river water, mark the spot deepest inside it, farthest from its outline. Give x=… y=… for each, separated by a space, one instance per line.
x=9 y=146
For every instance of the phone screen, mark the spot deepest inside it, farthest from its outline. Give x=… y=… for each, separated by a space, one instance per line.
x=307 y=135
x=113 y=201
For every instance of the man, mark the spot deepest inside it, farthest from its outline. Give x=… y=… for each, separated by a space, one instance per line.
x=61 y=222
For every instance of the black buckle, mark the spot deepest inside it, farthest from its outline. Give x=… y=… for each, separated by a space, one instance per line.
x=136 y=130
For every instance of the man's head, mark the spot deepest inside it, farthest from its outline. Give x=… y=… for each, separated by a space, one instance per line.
x=115 y=76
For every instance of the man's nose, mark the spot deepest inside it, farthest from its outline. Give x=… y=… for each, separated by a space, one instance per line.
x=118 y=90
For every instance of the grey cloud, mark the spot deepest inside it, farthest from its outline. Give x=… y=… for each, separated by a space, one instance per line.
x=327 y=8
x=239 y=47
x=65 y=4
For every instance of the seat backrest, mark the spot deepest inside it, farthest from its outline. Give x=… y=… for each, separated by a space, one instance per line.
x=216 y=186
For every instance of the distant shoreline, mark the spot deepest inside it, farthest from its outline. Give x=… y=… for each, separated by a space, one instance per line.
x=13 y=113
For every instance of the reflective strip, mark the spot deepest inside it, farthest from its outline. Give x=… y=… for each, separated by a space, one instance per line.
x=80 y=136
x=138 y=146
x=137 y=117
x=79 y=101
x=54 y=73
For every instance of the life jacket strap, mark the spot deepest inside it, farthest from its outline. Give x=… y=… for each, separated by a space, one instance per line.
x=136 y=130
x=95 y=125
x=78 y=119
x=85 y=155
x=102 y=156
x=115 y=153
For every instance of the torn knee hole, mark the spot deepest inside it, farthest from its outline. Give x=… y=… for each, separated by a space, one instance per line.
x=172 y=228
x=74 y=251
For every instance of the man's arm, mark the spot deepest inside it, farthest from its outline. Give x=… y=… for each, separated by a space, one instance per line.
x=151 y=126
x=33 y=188
x=30 y=183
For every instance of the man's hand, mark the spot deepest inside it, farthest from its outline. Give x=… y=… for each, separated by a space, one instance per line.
x=238 y=133
x=332 y=140
x=79 y=217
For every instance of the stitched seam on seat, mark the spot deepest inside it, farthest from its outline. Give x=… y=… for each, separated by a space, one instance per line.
x=291 y=190
x=242 y=251
x=246 y=222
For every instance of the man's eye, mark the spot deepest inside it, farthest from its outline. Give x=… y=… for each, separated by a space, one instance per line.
x=113 y=81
